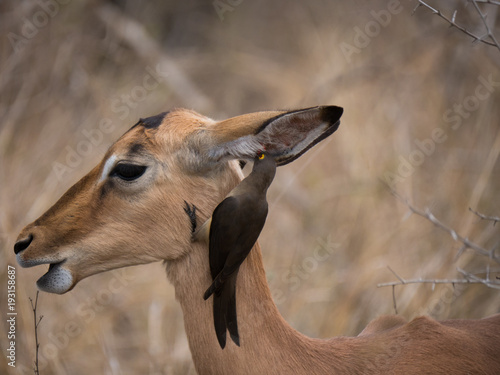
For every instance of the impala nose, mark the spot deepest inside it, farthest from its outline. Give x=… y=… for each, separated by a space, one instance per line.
x=23 y=244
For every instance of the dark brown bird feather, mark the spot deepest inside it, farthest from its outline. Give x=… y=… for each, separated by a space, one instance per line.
x=235 y=226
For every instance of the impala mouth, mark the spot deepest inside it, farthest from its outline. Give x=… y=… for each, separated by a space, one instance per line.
x=52 y=265
x=57 y=280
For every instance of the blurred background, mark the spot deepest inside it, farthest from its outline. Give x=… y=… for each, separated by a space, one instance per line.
x=421 y=115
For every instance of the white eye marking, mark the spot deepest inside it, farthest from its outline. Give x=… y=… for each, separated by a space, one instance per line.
x=107 y=167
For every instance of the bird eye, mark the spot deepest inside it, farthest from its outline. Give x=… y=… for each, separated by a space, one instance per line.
x=128 y=172
x=261 y=156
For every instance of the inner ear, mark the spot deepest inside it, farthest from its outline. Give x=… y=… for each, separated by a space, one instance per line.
x=284 y=135
x=288 y=136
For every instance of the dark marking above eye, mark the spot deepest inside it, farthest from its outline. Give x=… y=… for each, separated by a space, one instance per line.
x=136 y=148
x=151 y=122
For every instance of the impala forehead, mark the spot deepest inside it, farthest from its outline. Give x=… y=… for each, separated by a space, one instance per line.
x=141 y=144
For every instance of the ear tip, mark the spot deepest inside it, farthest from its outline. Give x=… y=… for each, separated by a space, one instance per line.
x=331 y=113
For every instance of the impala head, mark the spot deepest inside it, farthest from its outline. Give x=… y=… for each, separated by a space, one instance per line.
x=128 y=210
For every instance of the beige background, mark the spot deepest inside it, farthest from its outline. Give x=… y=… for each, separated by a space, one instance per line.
x=81 y=71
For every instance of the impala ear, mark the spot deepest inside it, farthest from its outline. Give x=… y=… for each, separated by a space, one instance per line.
x=284 y=135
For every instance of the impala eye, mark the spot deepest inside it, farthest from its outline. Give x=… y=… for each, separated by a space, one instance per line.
x=128 y=172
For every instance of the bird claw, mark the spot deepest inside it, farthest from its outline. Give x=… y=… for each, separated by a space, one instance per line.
x=190 y=210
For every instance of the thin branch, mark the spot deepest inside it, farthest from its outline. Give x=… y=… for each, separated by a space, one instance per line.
x=488 y=30
x=472 y=280
x=469 y=278
x=492 y=2
x=495 y=219
x=460 y=252
x=478 y=280
x=395 y=274
x=426 y=281
x=394 y=300
x=465 y=241
x=454 y=24
x=36 y=323
x=394 y=289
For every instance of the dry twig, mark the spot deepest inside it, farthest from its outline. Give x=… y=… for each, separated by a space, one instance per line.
x=466 y=243
x=36 y=323
x=488 y=2
x=495 y=219
x=489 y=34
x=394 y=290
x=469 y=278
x=485 y=23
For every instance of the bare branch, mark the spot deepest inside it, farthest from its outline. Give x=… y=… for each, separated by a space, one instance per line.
x=467 y=244
x=394 y=289
x=460 y=252
x=36 y=323
x=488 y=2
x=488 y=30
x=452 y=23
x=478 y=280
x=395 y=274
x=495 y=219
x=394 y=300
x=426 y=281
x=470 y=279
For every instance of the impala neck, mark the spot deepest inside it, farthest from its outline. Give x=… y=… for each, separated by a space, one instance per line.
x=268 y=343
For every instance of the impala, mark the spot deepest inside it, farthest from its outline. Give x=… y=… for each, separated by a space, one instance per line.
x=129 y=210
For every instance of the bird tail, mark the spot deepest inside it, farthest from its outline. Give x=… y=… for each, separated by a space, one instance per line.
x=216 y=285
x=224 y=309
x=231 y=319
x=220 y=319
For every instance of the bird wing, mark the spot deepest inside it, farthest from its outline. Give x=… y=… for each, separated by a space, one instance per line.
x=224 y=233
x=236 y=226
x=246 y=239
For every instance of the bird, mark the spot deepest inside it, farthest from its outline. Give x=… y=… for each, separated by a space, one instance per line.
x=232 y=231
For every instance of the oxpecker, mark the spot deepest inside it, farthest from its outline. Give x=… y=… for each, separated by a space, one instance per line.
x=231 y=232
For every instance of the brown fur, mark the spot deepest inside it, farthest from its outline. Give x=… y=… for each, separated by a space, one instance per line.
x=101 y=224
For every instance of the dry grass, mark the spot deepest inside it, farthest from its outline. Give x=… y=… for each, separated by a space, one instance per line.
x=264 y=55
